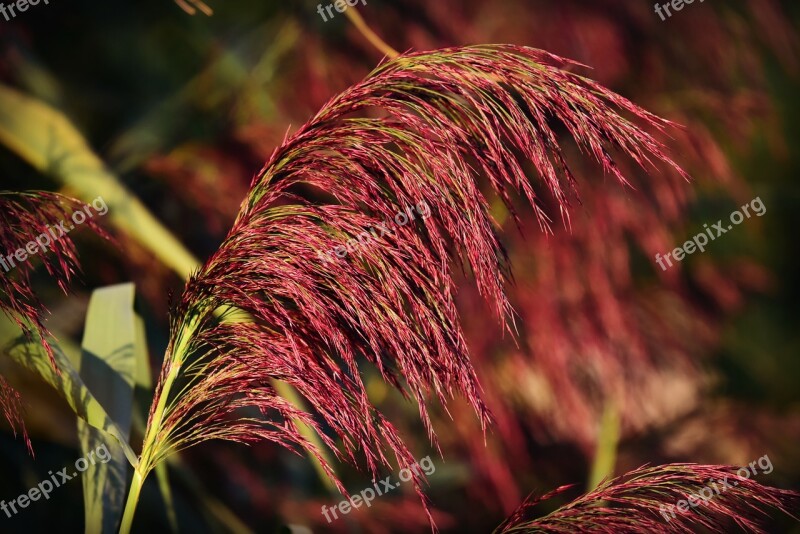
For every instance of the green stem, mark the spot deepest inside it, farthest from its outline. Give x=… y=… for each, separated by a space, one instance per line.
x=133 y=500
x=148 y=448
x=607 y=440
x=358 y=21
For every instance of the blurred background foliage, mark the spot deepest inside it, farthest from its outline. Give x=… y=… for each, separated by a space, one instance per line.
x=697 y=364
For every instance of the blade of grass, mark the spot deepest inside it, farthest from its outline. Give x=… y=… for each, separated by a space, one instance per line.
x=144 y=384
x=50 y=143
x=108 y=367
x=30 y=354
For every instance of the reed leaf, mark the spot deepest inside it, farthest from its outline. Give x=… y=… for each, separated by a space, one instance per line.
x=31 y=354
x=112 y=351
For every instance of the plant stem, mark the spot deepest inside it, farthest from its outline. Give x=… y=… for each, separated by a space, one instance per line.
x=607 y=441
x=358 y=21
x=133 y=500
x=148 y=448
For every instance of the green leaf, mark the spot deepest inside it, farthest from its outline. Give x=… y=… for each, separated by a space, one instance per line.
x=112 y=349
x=50 y=143
x=143 y=376
x=30 y=354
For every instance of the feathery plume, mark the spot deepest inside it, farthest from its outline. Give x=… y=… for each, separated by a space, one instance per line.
x=410 y=140
x=638 y=500
x=24 y=217
x=11 y=406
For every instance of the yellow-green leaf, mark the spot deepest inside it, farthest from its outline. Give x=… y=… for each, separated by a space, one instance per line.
x=29 y=353
x=49 y=142
x=113 y=341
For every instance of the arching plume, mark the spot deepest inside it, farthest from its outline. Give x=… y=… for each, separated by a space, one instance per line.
x=643 y=501
x=343 y=251
x=24 y=217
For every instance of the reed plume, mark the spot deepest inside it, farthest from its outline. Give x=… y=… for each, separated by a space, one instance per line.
x=23 y=217
x=638 y=502
x=420 y=130
x=11 y=406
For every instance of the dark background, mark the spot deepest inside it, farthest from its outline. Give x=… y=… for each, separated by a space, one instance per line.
x=185 y=109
